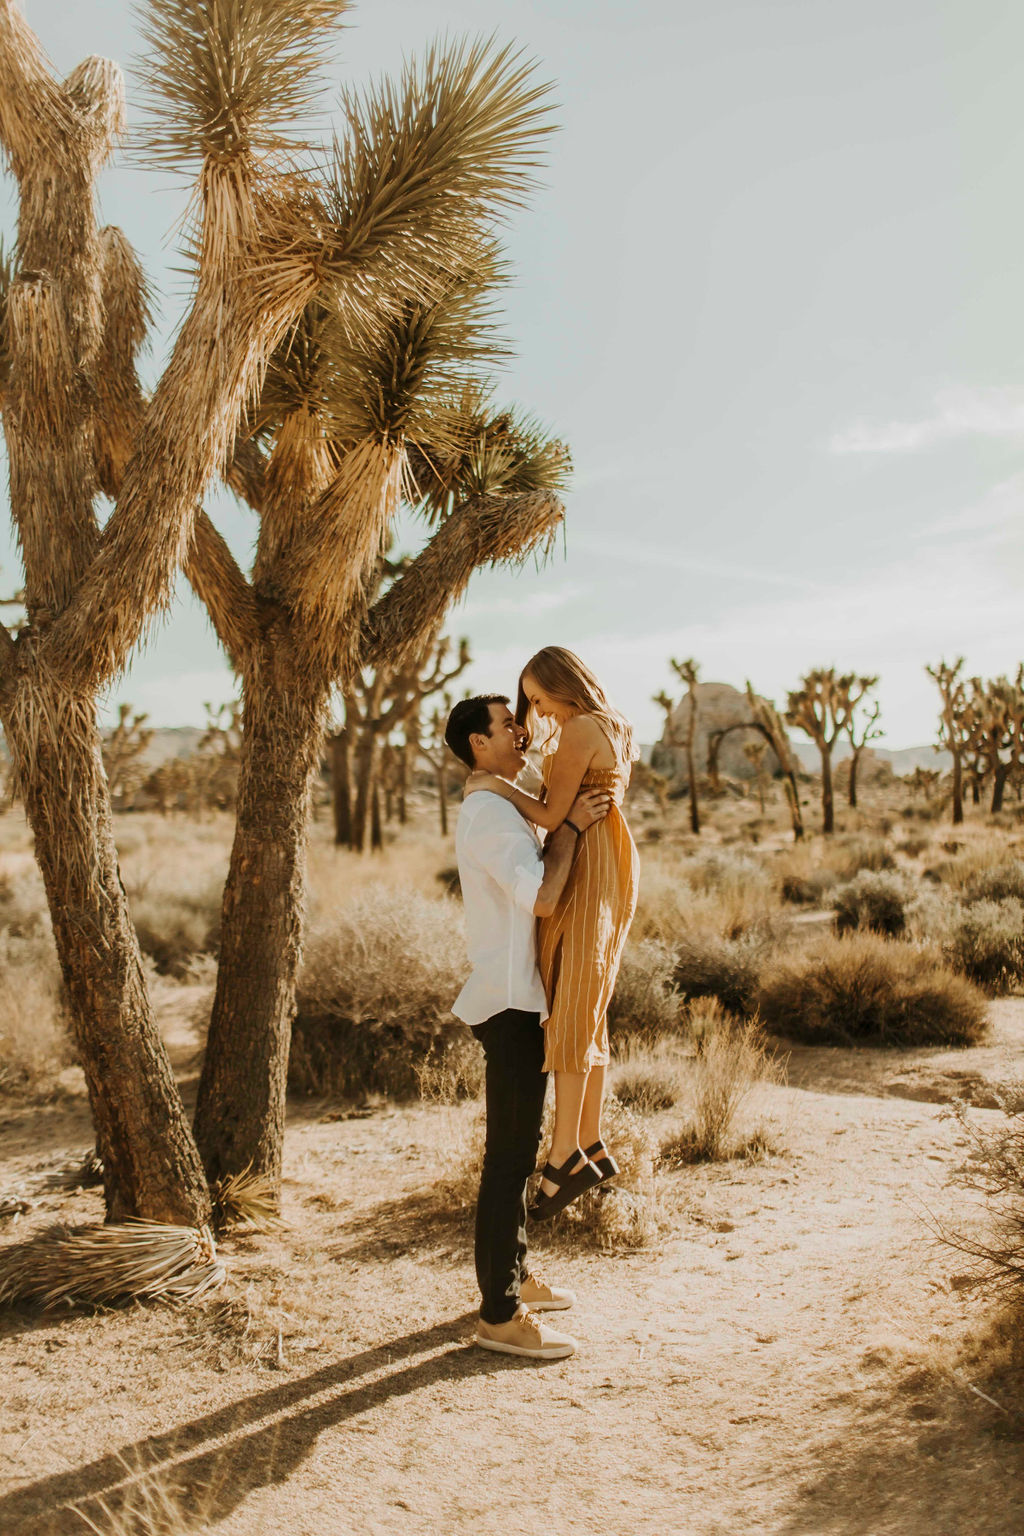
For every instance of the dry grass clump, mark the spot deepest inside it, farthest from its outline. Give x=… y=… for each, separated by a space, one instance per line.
x=727 y=893
x=995 y=1167
x=646 y=1000
x=35 y=1046
x=708 y=965
x=986 y=943
x=247 y=1200
x=624 y=1213
x=375 y=995
x=733 y=1060
x=175 y=928
x=873 y=900
x=647 y=1078
x=999 y=883
x=850 y=854
x=862 y=989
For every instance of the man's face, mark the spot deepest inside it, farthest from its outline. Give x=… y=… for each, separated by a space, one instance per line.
x=502 y=751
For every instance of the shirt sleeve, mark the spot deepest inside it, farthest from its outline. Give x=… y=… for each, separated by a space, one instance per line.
x=508 y=851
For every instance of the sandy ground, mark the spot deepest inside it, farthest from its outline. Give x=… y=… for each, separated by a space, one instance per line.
x=795 y=1356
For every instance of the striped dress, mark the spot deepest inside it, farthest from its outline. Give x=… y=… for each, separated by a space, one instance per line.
x=579 y=946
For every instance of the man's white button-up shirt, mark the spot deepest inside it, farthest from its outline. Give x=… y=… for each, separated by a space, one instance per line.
x=500 y=869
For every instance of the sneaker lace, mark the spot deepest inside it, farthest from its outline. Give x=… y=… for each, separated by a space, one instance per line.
x=533 y=1278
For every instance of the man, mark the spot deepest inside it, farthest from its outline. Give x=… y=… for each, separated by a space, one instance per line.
x=508 y=882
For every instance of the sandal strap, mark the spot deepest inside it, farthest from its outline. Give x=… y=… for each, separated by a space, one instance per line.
x=567 y=1170
x=598 y=1146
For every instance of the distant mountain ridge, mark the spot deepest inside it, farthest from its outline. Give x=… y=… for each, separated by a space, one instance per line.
x=903 y=760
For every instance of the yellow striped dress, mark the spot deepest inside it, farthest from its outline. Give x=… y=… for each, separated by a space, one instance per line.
x=579 y=946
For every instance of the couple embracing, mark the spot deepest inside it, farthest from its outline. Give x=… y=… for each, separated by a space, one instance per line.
x=545 y=924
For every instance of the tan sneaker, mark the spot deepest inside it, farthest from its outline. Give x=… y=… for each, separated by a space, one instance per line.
x=536 y=1294
x=524 y=1334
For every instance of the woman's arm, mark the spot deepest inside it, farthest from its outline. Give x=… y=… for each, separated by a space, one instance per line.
x=579 y=740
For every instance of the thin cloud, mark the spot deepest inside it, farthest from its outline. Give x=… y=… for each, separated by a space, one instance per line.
x=957 y=414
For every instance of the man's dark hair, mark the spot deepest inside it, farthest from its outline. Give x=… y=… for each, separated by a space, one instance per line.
x=470 y=717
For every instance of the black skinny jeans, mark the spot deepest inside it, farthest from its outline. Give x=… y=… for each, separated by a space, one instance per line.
x=513 y=1044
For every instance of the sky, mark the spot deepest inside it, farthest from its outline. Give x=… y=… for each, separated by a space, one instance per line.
x=771 y=295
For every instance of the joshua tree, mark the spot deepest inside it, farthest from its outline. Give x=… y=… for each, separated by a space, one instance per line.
x=349 y=414
x=223 y=83
x=755 y=752
x=823 y=708
x=765 y=718
x=993 y=722
x=861 y=730
x=124 y=750
x=687 y=673
x=955 y=724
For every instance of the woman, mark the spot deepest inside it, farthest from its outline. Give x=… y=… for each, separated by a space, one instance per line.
x=587 y=744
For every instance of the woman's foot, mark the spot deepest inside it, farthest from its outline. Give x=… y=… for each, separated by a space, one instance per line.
x=602 y=1160
x=565 y=1184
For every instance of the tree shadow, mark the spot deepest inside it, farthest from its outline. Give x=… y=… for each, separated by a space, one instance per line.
x=937 y=1447
x=205 y=1482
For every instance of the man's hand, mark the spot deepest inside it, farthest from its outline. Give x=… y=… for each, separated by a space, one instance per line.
x=589 y=806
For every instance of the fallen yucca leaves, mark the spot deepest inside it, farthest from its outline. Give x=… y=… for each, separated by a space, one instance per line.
x=99 y=1266
x=247 y=1198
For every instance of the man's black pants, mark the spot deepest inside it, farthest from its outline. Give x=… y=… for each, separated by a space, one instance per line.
x=513 y=1044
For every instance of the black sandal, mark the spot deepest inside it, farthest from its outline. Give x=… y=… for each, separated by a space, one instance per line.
x=570 y=1186
x=602 y=1160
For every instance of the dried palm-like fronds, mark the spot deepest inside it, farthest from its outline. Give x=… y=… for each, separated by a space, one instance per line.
x=475 y=450
x=126 y=319
x=95 y=89
x=7 y=261
x=247 y=1198
x=484 y=530
x=230 y=77
x=100 y=1266
x=36 y=116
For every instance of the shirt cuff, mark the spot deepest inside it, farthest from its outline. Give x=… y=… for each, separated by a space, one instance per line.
x=528 y=884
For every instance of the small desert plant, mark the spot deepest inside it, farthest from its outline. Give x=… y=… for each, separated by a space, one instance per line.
x=853 y=853
x=646 y=1000
x=810 y=889
x=35 y=1045
x=999 y=883
x=175 y=928
x=995 y=1167
x=730 y=1065
x=647 y=1079
x=864 y=989
x=729 y=969
x=986 y=943
x=874 y=900
x=375 y=995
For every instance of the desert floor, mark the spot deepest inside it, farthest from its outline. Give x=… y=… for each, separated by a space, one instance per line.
x=796 y=1355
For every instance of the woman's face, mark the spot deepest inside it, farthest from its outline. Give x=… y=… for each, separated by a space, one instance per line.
x=544 y=705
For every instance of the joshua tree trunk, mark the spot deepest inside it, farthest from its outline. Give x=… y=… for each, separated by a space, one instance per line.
x=150 y=1164
x=367 y=756
x=241 y=1104
x=958 y=789
x=691 y=770
x=442 y=795
x=376 y=830
x=854 y=761
x=828 y=823
x=1002 y=773
x=341 y=788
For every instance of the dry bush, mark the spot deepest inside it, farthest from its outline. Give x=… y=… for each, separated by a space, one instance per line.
x=729 y=969
x=998 y=883
x=646 y=1000
x=848 y=855
x=35 y=1046
x=23 y=909
x=375 y=995
x=986 y=943
x=862 y=989
x=995 y=1166
x=624 y=1213
x=174 y=880
x=647 y=1078
x=677 y=894
x=731 y=1063
x=874 y=900
x=175 y=928
x=914 y=844
x=979 y=869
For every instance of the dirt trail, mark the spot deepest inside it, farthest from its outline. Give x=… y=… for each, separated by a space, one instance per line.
x=793 y=1358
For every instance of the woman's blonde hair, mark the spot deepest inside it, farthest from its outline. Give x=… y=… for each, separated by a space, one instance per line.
x=567 y=680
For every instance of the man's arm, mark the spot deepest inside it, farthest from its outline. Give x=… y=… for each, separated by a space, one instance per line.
x=587 y=808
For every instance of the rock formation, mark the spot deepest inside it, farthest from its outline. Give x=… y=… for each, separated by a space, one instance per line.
x=721 y=709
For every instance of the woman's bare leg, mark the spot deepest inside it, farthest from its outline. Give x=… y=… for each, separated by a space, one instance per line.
x=570 y=1089
x=593 y=1103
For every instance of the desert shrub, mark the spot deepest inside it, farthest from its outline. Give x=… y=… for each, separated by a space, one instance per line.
x=35 y=1046
x=23 y=910
x=732 y=1062
x=714 y=893
x=646 y=1000
x=708 y=965
x=623 y=1214
x=914 y=844
x=647 y=1078
x=986 y=943
x=850 y=854
x=872 y=900
x=862 y=989
x=995 y=1166
x=176 y=927
x=810 y=889
x=998 y=883
x=375 y=995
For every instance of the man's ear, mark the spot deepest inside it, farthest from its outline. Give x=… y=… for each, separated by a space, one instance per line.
x=475 y=739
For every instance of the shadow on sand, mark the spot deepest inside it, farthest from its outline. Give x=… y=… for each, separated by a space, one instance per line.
x=208 y=1466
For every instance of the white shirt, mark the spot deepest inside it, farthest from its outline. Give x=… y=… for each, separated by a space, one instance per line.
x=501 y=869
